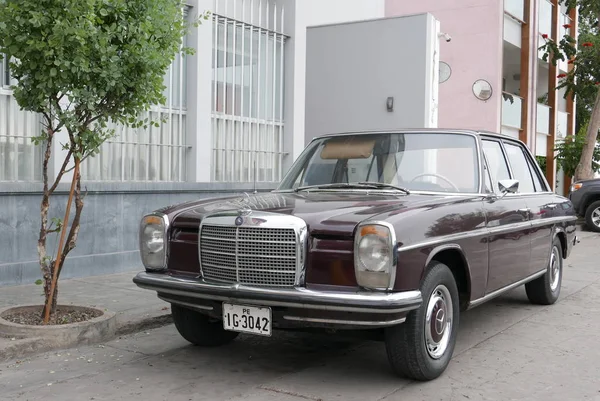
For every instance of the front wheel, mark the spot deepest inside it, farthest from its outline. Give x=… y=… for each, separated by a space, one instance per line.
x=200 y=329
x=421 y=347
x=592 y=217
x=546 y=289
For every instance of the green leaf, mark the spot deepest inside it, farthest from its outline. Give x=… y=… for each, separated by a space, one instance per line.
x=39 y=282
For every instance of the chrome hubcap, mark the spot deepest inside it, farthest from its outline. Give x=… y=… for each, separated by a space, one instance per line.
x=596 y=217
x=438 y=322
x=554 y=268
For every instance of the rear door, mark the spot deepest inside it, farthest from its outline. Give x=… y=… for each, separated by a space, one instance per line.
x=541 y=202
x=507 y=221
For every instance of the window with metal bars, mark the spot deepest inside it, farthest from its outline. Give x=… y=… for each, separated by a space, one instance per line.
x=152 y=153
x=20 y=159
x=247 y=89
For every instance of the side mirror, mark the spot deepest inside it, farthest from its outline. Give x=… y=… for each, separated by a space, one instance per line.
x=508 y=186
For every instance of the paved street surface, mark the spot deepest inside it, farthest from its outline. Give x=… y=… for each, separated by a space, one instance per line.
x=507 y=350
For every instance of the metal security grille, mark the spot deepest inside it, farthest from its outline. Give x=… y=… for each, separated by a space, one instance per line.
x=152 y=153
x=20 y=159
x=247 y=118
x=253 y=256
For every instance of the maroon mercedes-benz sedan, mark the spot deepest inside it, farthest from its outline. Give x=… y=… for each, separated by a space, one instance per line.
x=395 y=232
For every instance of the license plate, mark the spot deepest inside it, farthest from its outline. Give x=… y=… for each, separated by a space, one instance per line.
x=247 y=319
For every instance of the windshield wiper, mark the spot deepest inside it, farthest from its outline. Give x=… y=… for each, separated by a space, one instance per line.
x=369 y=185
x=385 y=185
x=323 y=186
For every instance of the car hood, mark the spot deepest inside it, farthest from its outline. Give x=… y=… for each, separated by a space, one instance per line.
x=591 y=181
x=326 y=213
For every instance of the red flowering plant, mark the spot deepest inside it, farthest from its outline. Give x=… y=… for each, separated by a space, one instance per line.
x=581 y=80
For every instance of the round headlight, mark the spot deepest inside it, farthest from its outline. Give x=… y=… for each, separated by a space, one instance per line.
x=153 y=236
x=373 y=253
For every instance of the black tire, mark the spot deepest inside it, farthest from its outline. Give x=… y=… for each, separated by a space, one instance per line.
x=545 y=290
x=406 y=343
x=592 y=212
x=199 y=329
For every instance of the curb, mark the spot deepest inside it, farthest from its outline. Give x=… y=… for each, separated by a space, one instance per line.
x=18 y=348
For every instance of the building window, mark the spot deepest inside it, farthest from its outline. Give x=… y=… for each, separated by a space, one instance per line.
x=152 y=153
x=20 y=159
x=247 y=89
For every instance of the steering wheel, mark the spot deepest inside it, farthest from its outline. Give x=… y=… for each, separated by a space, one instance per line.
x=438 y=176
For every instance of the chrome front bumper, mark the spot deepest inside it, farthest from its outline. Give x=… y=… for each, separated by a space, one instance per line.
x=298 y=304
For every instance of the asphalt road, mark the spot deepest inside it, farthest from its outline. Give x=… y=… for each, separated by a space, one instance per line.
x=507 y=350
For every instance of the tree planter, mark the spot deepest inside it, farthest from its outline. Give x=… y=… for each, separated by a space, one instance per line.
x=60 y=335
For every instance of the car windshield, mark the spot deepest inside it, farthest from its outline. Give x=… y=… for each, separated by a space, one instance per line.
x=428 y=162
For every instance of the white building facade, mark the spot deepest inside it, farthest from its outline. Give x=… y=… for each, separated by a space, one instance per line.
x=234 y=122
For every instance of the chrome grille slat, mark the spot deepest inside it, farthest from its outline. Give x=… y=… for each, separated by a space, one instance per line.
x=260 y=256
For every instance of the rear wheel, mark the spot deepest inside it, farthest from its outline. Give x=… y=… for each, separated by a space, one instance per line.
x=421 y=347
x=592 y=217
x=545 y=290
x=200 y=329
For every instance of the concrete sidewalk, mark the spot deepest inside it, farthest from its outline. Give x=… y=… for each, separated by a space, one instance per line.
x=136 y=309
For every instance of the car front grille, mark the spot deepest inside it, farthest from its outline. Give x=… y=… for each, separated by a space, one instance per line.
x=249 y=255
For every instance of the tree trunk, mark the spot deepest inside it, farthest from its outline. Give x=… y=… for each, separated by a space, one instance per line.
x=584 y=170
x=45 y=263
x=47 y=286
x=50 y=307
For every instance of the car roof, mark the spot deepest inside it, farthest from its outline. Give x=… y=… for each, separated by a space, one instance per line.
x=420 y=131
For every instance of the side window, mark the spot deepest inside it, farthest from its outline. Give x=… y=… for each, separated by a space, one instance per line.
x=537 y=181
x=497 y=165
x=520 y=167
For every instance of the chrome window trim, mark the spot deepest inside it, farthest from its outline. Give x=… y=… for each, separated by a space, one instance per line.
x=541 y=174
x=167 y=225
x=272 y=220
x=504 y=156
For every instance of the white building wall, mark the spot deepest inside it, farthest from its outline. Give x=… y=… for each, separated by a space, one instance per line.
x=301 y=14
x=297 y=16
x=199 y=121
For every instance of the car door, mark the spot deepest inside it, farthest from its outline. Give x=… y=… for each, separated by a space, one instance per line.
x=541 y=202
x=507 y=221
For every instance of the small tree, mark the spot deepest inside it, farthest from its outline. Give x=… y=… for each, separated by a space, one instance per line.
x=583 y=81
x=569 y=150
x=85 y=65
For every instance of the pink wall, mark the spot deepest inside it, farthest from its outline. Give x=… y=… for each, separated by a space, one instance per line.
x=475 y=52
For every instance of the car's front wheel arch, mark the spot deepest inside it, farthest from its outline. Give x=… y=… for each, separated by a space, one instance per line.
x=453 y=256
